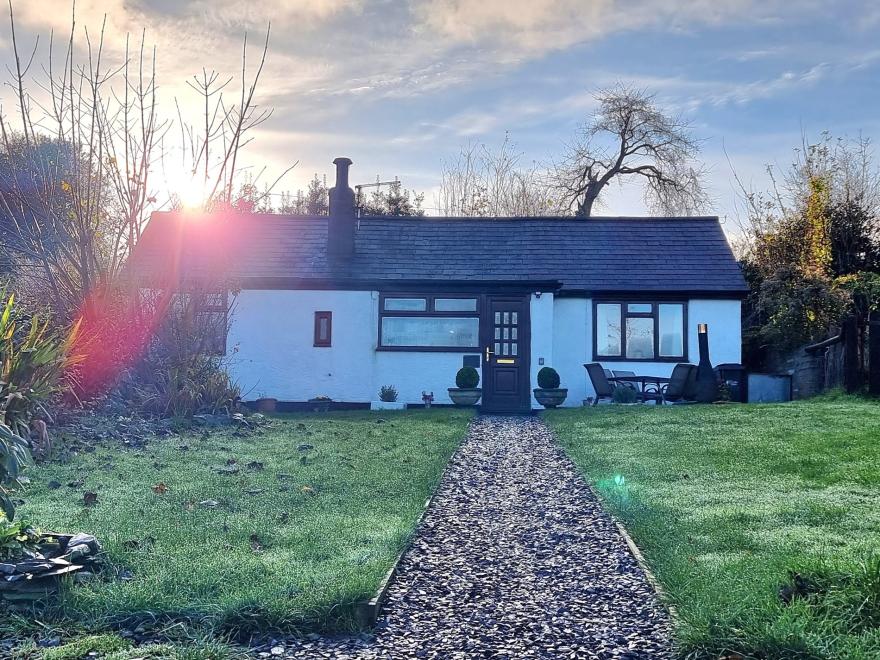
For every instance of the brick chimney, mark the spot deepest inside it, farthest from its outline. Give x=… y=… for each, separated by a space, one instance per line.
x=342 y=222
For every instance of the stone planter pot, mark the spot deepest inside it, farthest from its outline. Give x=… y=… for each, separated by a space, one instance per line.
x=551 y=397
x=465 y=396
x=387 y=405
x=266 y=404
x=320 y=405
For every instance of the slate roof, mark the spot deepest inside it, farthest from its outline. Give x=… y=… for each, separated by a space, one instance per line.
x=592 y=255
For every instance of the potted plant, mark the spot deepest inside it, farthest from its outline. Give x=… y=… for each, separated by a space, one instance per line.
x=624 y=396
x=387 y=399
x=548 y=392
x=466 y=392
x=266 y=404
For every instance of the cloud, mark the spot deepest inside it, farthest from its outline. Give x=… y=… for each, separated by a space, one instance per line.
x=530 y=26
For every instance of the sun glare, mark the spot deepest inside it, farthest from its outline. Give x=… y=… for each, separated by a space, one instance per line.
x=192 y=194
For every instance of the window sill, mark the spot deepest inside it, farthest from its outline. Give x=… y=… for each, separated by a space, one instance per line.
x=674 y=360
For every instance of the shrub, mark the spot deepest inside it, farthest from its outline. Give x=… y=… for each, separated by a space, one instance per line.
x=548 y=378
x=388 y=393
x=467 y=378
x=623 y=394
x=17 y=539
x=181 y=386
x=33 y=365
x=14 y=455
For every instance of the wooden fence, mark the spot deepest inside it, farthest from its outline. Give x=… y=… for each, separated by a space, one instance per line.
x=849 y=359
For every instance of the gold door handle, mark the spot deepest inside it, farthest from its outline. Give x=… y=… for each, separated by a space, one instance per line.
x=488 y=353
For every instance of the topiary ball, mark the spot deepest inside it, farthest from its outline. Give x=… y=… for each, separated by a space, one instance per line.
x=548 y=379
x=467 y=378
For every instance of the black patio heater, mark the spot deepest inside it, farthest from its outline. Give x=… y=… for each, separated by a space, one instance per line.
x=707 y=384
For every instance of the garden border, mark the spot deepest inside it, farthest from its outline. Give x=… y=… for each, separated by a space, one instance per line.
x=662 y=594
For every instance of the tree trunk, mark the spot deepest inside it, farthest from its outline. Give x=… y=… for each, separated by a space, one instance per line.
x=585 y=206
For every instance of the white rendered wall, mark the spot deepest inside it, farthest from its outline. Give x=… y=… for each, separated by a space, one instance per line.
x=271 y=350
x=572 y=323
x=272 y=334
x=573 y=342
x=541 y=311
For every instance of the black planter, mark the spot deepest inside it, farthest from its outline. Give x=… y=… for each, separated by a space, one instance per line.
x=707 y=383
x=550 y=397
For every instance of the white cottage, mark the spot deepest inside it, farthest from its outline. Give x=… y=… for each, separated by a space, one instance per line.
x=341 y=305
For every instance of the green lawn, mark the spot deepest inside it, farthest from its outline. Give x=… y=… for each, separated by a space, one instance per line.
x=253 y=533
x=728 y=502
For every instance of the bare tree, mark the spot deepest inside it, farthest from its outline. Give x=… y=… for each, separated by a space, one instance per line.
x=79 y=152
x=629 y=135
x=487 y=183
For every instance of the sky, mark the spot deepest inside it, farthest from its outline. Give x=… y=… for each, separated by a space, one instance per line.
x=400 y=85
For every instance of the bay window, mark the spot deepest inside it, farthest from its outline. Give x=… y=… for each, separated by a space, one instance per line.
x=429 y=322
x=639 y=330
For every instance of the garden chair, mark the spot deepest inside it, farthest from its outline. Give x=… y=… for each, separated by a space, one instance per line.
x=677 y=389
x=603 y=388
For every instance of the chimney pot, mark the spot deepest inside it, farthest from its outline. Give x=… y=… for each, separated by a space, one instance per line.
x=342 y=221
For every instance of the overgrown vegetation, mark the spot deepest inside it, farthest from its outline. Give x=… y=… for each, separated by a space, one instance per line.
x=761 y=522
x=812 y=249
x=282 y=530
x=35 y=362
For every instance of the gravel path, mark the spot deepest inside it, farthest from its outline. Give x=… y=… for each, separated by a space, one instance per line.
x=514 y=559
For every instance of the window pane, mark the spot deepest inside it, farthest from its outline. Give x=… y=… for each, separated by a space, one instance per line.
x=430 y=331
x=323 y=335
x=640 y=308
x=608 y=329
x=671 y=330
x=405 y=304
x=639 y=338
x=455 y=305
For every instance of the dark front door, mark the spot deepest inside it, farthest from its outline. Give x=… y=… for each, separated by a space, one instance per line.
x=505 y=334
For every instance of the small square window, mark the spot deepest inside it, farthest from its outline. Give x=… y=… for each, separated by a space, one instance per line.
x=323 y=329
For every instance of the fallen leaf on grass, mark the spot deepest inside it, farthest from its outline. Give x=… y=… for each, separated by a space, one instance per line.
x=308 y=490
x=209 y=504
x=160 y=488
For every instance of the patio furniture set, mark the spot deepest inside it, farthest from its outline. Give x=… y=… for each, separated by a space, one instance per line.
x=680 y=387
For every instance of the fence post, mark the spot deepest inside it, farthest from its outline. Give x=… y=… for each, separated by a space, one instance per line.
x=874 y=353
x=851 y=355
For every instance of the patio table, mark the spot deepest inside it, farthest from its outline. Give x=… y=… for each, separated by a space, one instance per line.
x=641 y=380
